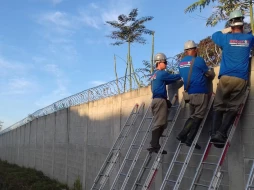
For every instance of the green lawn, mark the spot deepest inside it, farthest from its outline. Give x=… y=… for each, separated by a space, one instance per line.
x=13 y=177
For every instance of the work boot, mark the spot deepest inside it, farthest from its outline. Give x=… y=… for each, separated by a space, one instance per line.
x=217 y=120
x=161 y=131
x=219 y=145
x=156 y=150
x=192 y=134
x=155 y=141
x=163 y=152
x=182 y=136
x=161 y=134
x=221 y=135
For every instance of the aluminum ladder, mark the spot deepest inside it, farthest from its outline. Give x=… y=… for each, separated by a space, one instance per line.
x=111 y=160
x=217 y=174
x=134 y=150
x=152 y=171
x=188 y=155
x=250 y=184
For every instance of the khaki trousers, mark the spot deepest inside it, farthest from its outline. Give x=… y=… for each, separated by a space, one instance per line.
x=160 y=113
x=229 y=93
x=198 y=104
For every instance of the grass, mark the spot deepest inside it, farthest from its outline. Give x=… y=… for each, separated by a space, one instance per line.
x=13 y=177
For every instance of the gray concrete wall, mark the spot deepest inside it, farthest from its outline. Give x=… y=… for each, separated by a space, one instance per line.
x=74 y=142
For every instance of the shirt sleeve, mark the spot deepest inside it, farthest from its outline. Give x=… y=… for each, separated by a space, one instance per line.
x=252 y=42
x=218 y=38
x=170 y=78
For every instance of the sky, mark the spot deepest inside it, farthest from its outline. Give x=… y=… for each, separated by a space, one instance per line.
x=51 y=49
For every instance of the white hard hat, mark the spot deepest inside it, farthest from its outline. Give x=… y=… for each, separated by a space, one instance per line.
x=190 y=44
x=236 y=18
x=159 y=57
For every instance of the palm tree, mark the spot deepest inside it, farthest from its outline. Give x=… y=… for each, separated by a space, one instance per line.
x=130 y=30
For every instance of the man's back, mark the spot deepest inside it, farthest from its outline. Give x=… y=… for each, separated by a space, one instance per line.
x=235 y=53
x=198 y=81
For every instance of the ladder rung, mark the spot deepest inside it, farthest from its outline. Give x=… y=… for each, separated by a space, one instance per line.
x=170 y=181
x=209 y=163
x=133 y=146
x=129 y=159
x=123 y=174
x=216 y=143
x=202 y=185
x=178 y=162
x=138 y=184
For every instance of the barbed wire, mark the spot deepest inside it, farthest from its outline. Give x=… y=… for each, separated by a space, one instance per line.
x=111 y=88
x=212 y=54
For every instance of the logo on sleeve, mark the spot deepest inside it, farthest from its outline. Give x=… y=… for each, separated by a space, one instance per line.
x=185 y=64
x=153 y=77
x=241 y=43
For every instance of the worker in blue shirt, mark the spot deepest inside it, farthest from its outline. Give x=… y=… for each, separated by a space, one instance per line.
x=233 y=75
x=159 y=79
x=197 y=90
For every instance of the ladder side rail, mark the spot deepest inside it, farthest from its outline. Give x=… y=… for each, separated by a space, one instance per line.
x=108 y=170
x=130 y=148
x=110 y=155
x=156 y=163
x=250 y=178
x=136 y=156
x=117 y=153
x=147 y=160
x=164 y=183
x=227 y=144
x=191 y=150
x=199 y=168
x=219 y=180
x=132 y=124
x=140 y=149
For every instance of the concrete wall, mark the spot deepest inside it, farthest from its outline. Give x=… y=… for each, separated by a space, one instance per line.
x=74 y=142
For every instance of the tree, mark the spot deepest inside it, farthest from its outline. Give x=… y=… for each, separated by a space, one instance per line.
x=1 y=125
x=129 y=30
x=222 y=9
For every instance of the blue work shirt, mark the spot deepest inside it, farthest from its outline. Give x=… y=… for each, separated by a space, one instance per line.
x=235 y=53
x=159 y=80
x=198 y=80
